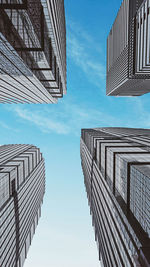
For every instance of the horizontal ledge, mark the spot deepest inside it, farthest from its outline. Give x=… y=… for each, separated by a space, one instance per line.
x=39 y=69
x=28 y=49
x=13 y=6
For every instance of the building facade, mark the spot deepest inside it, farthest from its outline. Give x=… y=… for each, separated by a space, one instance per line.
x=22 y=186
x=128 y=46
x=116 y=167
x=32 y=51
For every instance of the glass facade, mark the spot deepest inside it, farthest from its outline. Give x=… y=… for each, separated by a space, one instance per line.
x=128 y=48
x=22 y=187
x=32 y=51
x=116 y=167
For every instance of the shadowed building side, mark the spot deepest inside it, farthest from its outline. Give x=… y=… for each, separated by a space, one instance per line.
x=32 y=51
x=128 y=46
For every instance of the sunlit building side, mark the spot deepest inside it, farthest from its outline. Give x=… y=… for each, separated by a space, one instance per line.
x=116 y=168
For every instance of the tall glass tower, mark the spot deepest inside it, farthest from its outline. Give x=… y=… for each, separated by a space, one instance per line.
x=116 y=167
x=32 y=51
x=128 y=50
x=22 y=186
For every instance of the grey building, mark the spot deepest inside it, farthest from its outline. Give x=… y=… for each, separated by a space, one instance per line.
x=128 y=46
x=22 y=186
x=32 y=51
x=116 y=167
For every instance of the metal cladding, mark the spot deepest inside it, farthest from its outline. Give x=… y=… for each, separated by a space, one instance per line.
x=116 y=167
x=128 y=48
x=22 y=186
x=32 y=51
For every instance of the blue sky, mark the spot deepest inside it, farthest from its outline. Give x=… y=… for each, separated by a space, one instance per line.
x=65 y=237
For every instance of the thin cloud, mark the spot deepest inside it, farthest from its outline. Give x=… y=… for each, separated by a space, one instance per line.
x=8 y=127
x=69 y=119
x=40 y=120
x=4 y=125
x=84 y=36
x=80 y=50
x=142 y=113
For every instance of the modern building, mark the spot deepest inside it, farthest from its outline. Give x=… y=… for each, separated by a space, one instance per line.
x=116 y=167
x=22 y=186
x=128 y=50
x=32 y=51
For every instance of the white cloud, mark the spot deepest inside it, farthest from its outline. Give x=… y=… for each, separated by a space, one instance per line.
x=68 y=118
x=45 y=124
x=80 y=50
x=8 y=127
x=137 y=113
x=4 y=125
x=84 y=36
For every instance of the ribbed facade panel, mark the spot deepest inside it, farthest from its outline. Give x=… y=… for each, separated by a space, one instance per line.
x=116 y=167
x=22 y=187
x=32 y=51
x=128 y=68
x=118 y=37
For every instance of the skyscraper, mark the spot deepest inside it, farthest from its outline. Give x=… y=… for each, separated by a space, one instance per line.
x=116 y=167
x=32 y=51
x=128 y=46
x=22 y=186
